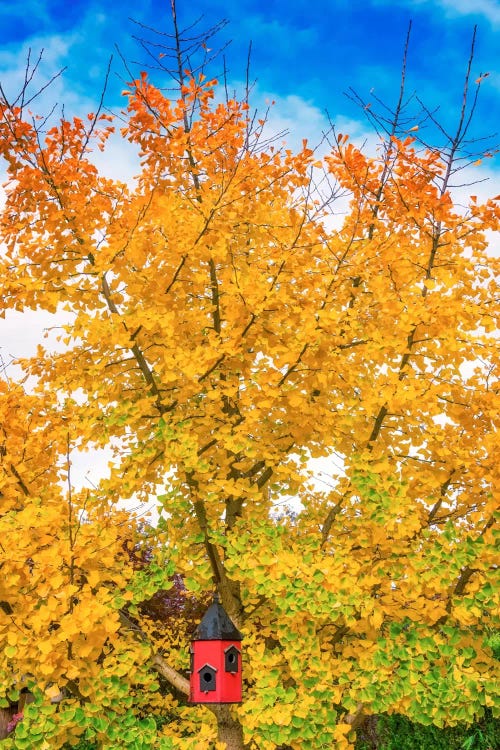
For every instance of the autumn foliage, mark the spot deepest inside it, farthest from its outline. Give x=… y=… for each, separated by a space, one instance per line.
x=224 y=335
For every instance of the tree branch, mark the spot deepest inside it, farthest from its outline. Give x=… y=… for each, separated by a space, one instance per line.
x=136 y=351
x=176 y=679
x=332 y=514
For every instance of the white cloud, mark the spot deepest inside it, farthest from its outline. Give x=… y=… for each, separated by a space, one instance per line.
x=298 y=118
x=489 y=9
x=54 y=57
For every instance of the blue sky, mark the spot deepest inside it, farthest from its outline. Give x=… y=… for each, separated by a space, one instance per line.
x=305 y=55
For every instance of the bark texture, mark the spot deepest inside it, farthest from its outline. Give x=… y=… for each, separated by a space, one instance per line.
x=6 y=715
x=229 y=729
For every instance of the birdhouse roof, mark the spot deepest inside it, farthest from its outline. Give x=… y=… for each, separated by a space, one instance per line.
x=208 y=667
x=216 y=625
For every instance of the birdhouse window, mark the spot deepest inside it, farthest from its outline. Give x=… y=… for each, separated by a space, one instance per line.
x=231 y=659
x=207 y=678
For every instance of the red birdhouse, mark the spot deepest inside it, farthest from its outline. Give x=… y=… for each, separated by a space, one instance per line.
x=216 y=675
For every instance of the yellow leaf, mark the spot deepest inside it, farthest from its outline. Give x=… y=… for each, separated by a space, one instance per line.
x=53 y=691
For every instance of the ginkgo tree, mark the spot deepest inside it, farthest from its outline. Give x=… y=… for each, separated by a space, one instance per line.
x=224 y=336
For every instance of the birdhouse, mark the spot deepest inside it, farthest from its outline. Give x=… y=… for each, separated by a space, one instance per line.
x=216 y=675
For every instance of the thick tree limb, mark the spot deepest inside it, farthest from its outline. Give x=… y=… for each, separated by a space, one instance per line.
x=179 y=682
x=332 y=514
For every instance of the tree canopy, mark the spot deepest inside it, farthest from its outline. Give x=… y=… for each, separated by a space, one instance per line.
x=224 y=335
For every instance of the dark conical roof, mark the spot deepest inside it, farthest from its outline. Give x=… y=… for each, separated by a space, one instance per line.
x=216 y=625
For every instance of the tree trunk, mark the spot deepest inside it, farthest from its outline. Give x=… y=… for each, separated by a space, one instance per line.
x=6 y=715
x=229 y=729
